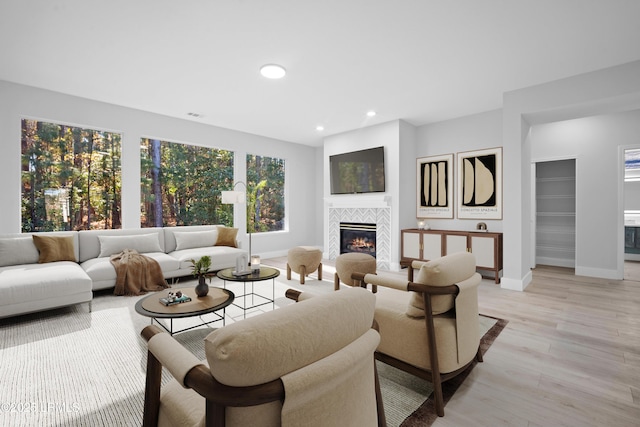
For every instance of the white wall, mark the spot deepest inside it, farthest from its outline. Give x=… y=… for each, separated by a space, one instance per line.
x=600 y=92
x=475 y=132
x=407 y=176
x=392 y=135
x=17 y=102
x=595 y=143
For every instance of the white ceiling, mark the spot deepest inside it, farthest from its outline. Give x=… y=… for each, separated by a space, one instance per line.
x=418 y=60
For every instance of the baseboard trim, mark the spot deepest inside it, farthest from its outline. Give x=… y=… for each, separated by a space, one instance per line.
x=516 y=284
x=600 y=273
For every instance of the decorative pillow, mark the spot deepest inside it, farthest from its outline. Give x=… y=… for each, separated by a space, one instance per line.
x=227 y=237
x=54 y=248
x=195 y=239
x=142 y=243
x=17 y=251
x=444 y=271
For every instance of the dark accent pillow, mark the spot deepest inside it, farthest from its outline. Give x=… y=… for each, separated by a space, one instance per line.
x=54 y=248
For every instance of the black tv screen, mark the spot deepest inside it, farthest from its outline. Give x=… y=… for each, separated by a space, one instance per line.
x=357 y=172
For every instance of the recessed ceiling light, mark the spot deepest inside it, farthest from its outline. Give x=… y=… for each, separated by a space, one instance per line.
x=371 y=113
x=319 y=128
x=273 y=71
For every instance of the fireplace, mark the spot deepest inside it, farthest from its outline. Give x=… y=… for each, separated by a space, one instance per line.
x=358 y=237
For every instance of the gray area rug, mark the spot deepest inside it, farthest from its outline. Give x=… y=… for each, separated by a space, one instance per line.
x=72 y=367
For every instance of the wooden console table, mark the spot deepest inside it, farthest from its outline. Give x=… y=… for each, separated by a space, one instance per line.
x=425 y=245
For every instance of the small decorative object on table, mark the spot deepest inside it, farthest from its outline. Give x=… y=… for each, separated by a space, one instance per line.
x=200 y=269
x=175 y=298
x=242 y=269
x=255 y=263
x=422 y=225
x=481 y=226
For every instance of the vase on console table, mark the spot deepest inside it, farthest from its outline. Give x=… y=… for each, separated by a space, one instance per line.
x=202 y=289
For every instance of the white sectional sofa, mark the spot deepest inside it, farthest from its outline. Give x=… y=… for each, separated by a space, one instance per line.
x=27 y=285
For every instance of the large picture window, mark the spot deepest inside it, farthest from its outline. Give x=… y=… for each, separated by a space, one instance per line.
x=265 y=193
x=181 y=183
x=71 y=177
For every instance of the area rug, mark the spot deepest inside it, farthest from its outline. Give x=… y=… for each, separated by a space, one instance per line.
x=72 y=367
x=408 y=399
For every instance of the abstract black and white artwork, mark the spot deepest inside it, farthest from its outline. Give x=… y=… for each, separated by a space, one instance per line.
x=480 y=184
x=435 y=186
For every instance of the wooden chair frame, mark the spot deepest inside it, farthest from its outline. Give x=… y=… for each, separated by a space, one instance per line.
x=434 y=376
x=218 y=396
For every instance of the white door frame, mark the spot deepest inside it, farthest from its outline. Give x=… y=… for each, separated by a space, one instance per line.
x=620 y=253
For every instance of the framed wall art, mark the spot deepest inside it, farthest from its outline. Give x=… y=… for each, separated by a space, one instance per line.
x=435 y=186
x=480 y=184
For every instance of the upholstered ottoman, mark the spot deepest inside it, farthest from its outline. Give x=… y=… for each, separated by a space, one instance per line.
x=304 y=260
x=353 y=262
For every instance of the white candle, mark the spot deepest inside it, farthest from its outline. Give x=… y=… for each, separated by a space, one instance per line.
x=255 y=263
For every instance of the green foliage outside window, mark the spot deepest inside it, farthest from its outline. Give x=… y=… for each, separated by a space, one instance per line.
x=71 y=178
x=265 y=193
x=181 y=184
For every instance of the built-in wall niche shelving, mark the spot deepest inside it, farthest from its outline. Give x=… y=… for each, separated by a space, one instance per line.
x=556 y=213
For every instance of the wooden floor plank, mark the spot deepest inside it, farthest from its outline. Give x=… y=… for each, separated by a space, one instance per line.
x=570 y=355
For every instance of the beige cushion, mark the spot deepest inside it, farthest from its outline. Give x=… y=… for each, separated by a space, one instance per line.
x=195 y=239
x=445 y=271
x=308 y=257
x=227 y=236
x=405 y=338
x=142 y=243
x=262 y=348
x=54 y=248
x=18 y=251
x=338 y=390
x=349 y=263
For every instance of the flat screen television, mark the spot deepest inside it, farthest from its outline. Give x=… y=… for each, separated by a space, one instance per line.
x=357 y=172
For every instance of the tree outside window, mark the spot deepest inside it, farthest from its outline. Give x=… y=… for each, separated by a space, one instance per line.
x=265 y=193
x=180 y=184
x=71 y=177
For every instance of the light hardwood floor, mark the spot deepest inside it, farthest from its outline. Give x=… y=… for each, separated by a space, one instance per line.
x=570 y=356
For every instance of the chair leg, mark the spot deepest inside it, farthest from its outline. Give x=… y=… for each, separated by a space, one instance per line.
x=152 y=391
x=288 y=272
x=303 y=272
x=382 y=420
x=437 y=392
x=215 y=415
x=336 y=282
x=320 y=272
x=436 y=379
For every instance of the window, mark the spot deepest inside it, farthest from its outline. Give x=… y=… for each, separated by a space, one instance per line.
x=70 y=177
x=180 y=184
x=265 y=193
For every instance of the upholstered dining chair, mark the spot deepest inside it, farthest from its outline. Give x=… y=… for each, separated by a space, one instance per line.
x=429 y=327
x=310 y=363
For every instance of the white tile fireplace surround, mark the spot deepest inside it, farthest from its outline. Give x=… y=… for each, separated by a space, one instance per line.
x=361 y=209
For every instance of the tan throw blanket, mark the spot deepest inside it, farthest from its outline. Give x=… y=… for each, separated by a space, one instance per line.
x=136 y=274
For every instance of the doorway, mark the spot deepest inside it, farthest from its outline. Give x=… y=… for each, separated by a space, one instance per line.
x=555 y=213
x=631 y=203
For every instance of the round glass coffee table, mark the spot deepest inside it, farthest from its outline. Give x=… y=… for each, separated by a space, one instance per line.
x=216 y=299
x=251 y=300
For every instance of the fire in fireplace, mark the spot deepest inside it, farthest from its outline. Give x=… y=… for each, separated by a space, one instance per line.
x=358 y=237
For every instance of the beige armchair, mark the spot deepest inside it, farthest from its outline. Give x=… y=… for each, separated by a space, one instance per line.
x=430 y=327
x=307 y=364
